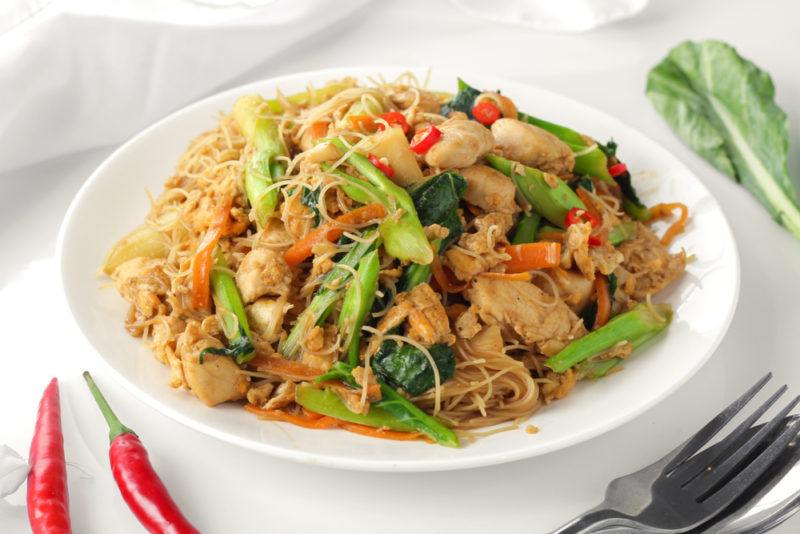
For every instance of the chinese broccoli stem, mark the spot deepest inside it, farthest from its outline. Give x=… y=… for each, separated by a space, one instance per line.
x=230 y=310
x=552 y=202
x=403 y=235
x=357 y=303
x=526 y=229
x=326 y=297
x=635 y=326
x=261 y=168
x=326 y=402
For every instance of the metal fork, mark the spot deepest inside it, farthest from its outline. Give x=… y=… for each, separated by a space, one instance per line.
x=675 y=495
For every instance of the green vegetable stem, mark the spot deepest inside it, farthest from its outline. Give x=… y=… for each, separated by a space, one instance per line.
x=552 y=202
x=358 y=302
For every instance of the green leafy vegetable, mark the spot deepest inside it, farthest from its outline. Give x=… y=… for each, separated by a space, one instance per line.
x=609 y=149
x=436 y=201
x=463 y=101
x=622 y=232
x=326 y=402
x=310 y=197
x=408 y=368
x=526 y=228
x=358 y=302
x=240 y=349
x=230 y=310
x=723 y=106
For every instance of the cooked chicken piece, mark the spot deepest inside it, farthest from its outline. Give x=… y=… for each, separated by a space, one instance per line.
x=525 y=311
x=648 y=266
x=489 y=339
x=605 y=258
x=282 y=397
x=266 y=317
x=406 y=97
x=263 y=271
x=477 y=250
x=559 y=386
x=217 y=379
x=489 y=189
x=258 y=394
x=274 y=235
x=467 y=325
x=324 y=251
x=142 y=281
x=436 y=231
x=571 y=287
x=427 y=319
x=319 y=347
x=463 y=143
x=352 y=398
x=296 y=216
x=532 y=146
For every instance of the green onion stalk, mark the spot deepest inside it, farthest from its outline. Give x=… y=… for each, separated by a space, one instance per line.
x=403 y=236
x=526 y=229
x=551 y=202
x=635 y=326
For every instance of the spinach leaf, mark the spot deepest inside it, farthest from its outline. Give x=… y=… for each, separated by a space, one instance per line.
x=609 y=149
x=463 y=101
x=723 y=107
x=240 y=349
x=436 y=201
x=310 y=198
x=408 y=368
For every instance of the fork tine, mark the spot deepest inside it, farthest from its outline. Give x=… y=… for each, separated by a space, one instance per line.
x=705 y=485
x=738 y=484
x=730 y=443
x=685 y=450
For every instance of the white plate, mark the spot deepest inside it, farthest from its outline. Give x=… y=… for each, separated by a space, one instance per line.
x=113 y=201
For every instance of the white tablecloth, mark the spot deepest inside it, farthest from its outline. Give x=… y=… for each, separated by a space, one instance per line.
x=226 y=490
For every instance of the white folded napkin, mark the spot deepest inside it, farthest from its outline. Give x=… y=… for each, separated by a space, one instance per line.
x=85 y=73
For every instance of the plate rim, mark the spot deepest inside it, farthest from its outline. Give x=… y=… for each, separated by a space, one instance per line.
x=351 y=463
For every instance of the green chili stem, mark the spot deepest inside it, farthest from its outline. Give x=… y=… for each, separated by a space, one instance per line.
x=115 y=427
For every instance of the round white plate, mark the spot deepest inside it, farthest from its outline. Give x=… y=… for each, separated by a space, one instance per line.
x=113 y=201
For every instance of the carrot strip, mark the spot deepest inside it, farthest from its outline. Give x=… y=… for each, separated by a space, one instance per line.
x=443 y=279
x=587 y=199
x=331 y=231
x=204 y=256
x=662 y=211
x=379 y=432
x=319 y=129
x=510 y=277
x=287 y=368
x=603 y=301
x=317 y=421
x=530 y=256
x=299 y=420
x=362 y=122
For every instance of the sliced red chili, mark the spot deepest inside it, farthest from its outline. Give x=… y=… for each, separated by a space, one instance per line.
x=385 y=168
x=394 y=118
x=486 y=112
x=595 y=240
x=425 y=139
x=580 y=215
x=616 y=170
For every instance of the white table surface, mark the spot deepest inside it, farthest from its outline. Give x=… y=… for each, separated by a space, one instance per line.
x=227 y=490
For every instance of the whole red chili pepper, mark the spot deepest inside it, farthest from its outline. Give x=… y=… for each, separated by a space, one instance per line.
x=142 y=489
x=48 y=500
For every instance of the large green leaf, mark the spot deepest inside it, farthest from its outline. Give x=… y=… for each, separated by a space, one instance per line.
x=723 y=106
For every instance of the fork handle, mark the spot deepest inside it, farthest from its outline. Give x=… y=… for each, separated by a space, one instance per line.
x=598 y=519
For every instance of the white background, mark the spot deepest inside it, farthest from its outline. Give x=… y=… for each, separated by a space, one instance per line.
x=226 y=490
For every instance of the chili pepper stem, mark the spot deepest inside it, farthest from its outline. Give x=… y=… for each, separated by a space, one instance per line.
x=115 y=427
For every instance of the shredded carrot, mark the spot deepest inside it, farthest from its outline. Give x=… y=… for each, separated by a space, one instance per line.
x=287 y=368
x=603 y=300
x=204 y=255
x=530 y=256
x=331 y=231
x=383 y=433
x=511 y=277
x=362 y=122
x=586 y=198
x=662 y=211
x=319 y=129
x=314 y=420
x=443 y=278
x=299 y=420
